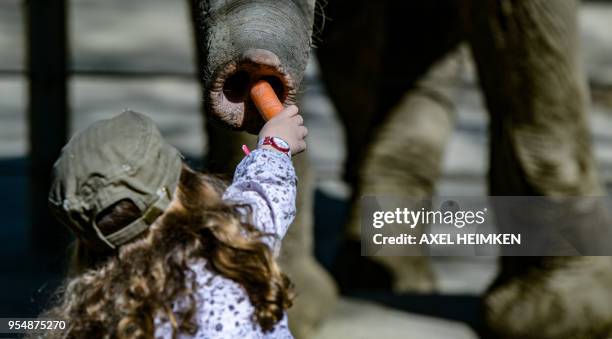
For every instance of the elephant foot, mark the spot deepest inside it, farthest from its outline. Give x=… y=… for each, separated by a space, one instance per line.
x=316 y=295
x=565 y=297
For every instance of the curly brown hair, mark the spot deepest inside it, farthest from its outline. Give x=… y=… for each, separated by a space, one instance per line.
x=118 y=294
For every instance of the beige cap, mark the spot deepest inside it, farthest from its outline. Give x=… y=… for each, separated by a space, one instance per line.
x=120 y=158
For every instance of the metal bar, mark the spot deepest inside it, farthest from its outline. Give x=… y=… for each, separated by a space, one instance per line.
x=47 y=113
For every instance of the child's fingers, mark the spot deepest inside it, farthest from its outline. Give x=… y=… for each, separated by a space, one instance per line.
x=298 y=120
x=288 y=112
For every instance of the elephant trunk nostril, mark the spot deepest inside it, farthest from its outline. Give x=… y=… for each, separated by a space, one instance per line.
x=228 y=99
x=236 y=86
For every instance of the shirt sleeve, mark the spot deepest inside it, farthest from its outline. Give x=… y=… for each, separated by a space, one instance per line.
x=266 y=180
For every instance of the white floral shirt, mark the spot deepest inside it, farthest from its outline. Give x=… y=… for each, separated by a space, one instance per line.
x=265 y=180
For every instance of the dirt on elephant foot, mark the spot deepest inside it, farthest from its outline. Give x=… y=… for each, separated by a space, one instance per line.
x=564 y=298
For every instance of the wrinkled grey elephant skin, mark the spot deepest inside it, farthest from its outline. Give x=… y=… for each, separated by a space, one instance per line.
x=390 y=68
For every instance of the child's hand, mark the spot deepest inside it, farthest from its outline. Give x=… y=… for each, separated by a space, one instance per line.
x=289 y=126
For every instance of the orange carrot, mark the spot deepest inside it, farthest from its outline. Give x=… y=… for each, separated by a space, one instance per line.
x=265 y=100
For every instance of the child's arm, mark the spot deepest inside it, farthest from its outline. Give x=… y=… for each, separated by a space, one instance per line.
x=266 y=179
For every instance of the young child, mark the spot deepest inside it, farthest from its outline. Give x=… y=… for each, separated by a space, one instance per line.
x=163 y=251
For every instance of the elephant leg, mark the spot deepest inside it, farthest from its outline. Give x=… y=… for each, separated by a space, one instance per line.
x=371 y=56
x=525 y=53
x=316 y=290
x=404 y=159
